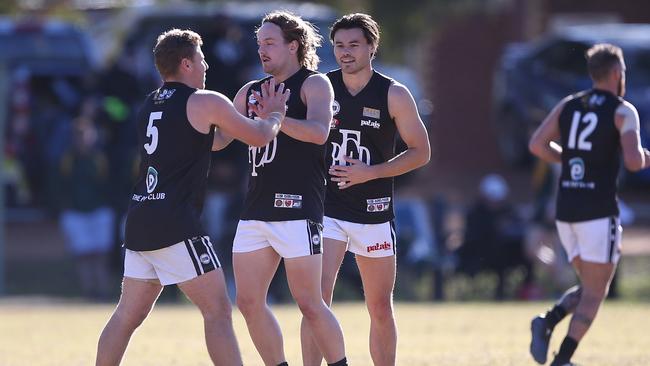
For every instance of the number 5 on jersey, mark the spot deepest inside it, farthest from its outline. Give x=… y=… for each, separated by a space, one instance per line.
x=152 y=131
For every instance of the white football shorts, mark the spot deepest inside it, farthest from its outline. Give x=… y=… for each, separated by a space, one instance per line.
x=175 y=264
x=290 y=239
x=368 y=240
x=596 y=241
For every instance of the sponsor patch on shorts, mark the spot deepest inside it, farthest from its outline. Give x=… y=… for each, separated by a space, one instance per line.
x=378 y=204
x=379 y=246
x=284 y=200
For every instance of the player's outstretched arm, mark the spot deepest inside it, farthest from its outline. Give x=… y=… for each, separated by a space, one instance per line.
x=543 y=143
x=318 y=96
x=635 y=156
x=403 y=110
x=206 y=108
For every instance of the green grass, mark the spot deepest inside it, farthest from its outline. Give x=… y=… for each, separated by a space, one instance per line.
x=43 y=333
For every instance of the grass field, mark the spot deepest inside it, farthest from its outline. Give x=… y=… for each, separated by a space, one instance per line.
x=44 y=333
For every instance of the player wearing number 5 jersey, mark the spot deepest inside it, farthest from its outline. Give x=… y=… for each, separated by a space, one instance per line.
x=586 y=133
x=178 y=126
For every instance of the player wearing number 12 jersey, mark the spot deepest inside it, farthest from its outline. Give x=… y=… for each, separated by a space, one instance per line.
x=586 y=133
x=178 y=126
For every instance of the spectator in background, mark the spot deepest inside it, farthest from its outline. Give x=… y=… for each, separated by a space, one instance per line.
x=86 y=218
x=494 y=233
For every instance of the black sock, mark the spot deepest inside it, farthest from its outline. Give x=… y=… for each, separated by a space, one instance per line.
x=554 y=316
x=283 y=364
x=343 y=362
x=567 y=349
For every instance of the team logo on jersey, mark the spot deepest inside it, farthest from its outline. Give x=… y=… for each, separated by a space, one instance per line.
x=164 y=94
x=336 y=108
x=378 y=204
x=577 y=173
x=371 y=112
x=577 y=168
x=596 y=100
x=350 y=146
x=151 y=179
x=205 y=258
x=283 y=200
x=260 y=156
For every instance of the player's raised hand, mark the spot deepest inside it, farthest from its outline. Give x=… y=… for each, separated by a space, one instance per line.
x=270 y=99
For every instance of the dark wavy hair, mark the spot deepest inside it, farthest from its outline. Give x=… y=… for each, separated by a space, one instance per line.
x=362 y=21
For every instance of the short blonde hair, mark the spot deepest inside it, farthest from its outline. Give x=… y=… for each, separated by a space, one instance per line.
x=172 y=47
x=601 y=58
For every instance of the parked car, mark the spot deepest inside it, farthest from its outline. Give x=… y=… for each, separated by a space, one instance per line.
x=533 y=77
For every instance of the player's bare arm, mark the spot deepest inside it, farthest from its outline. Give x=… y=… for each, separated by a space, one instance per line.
x=635 y=157
x=410 y=127
x=543 y=143
x=207 y=108
x=318 y=95
x=221 y=140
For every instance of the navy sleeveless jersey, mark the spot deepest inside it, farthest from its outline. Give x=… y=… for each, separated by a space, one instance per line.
x=287 y=176
x=363 y=129
x=590 y=157
x=168 y=197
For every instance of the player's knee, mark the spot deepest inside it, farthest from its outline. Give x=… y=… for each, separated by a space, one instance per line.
x=380 y=310
x=131 y=318
x=221 y=310
x=310 y=308
x=248 y=305
x=220 y=316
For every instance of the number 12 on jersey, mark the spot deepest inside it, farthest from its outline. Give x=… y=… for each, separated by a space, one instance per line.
x=592 y=119
x=152 y=131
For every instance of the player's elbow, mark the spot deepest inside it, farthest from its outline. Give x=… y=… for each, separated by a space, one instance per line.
x=218 y=147
x=424 y=155
x=535 y=147
x=320 y=140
